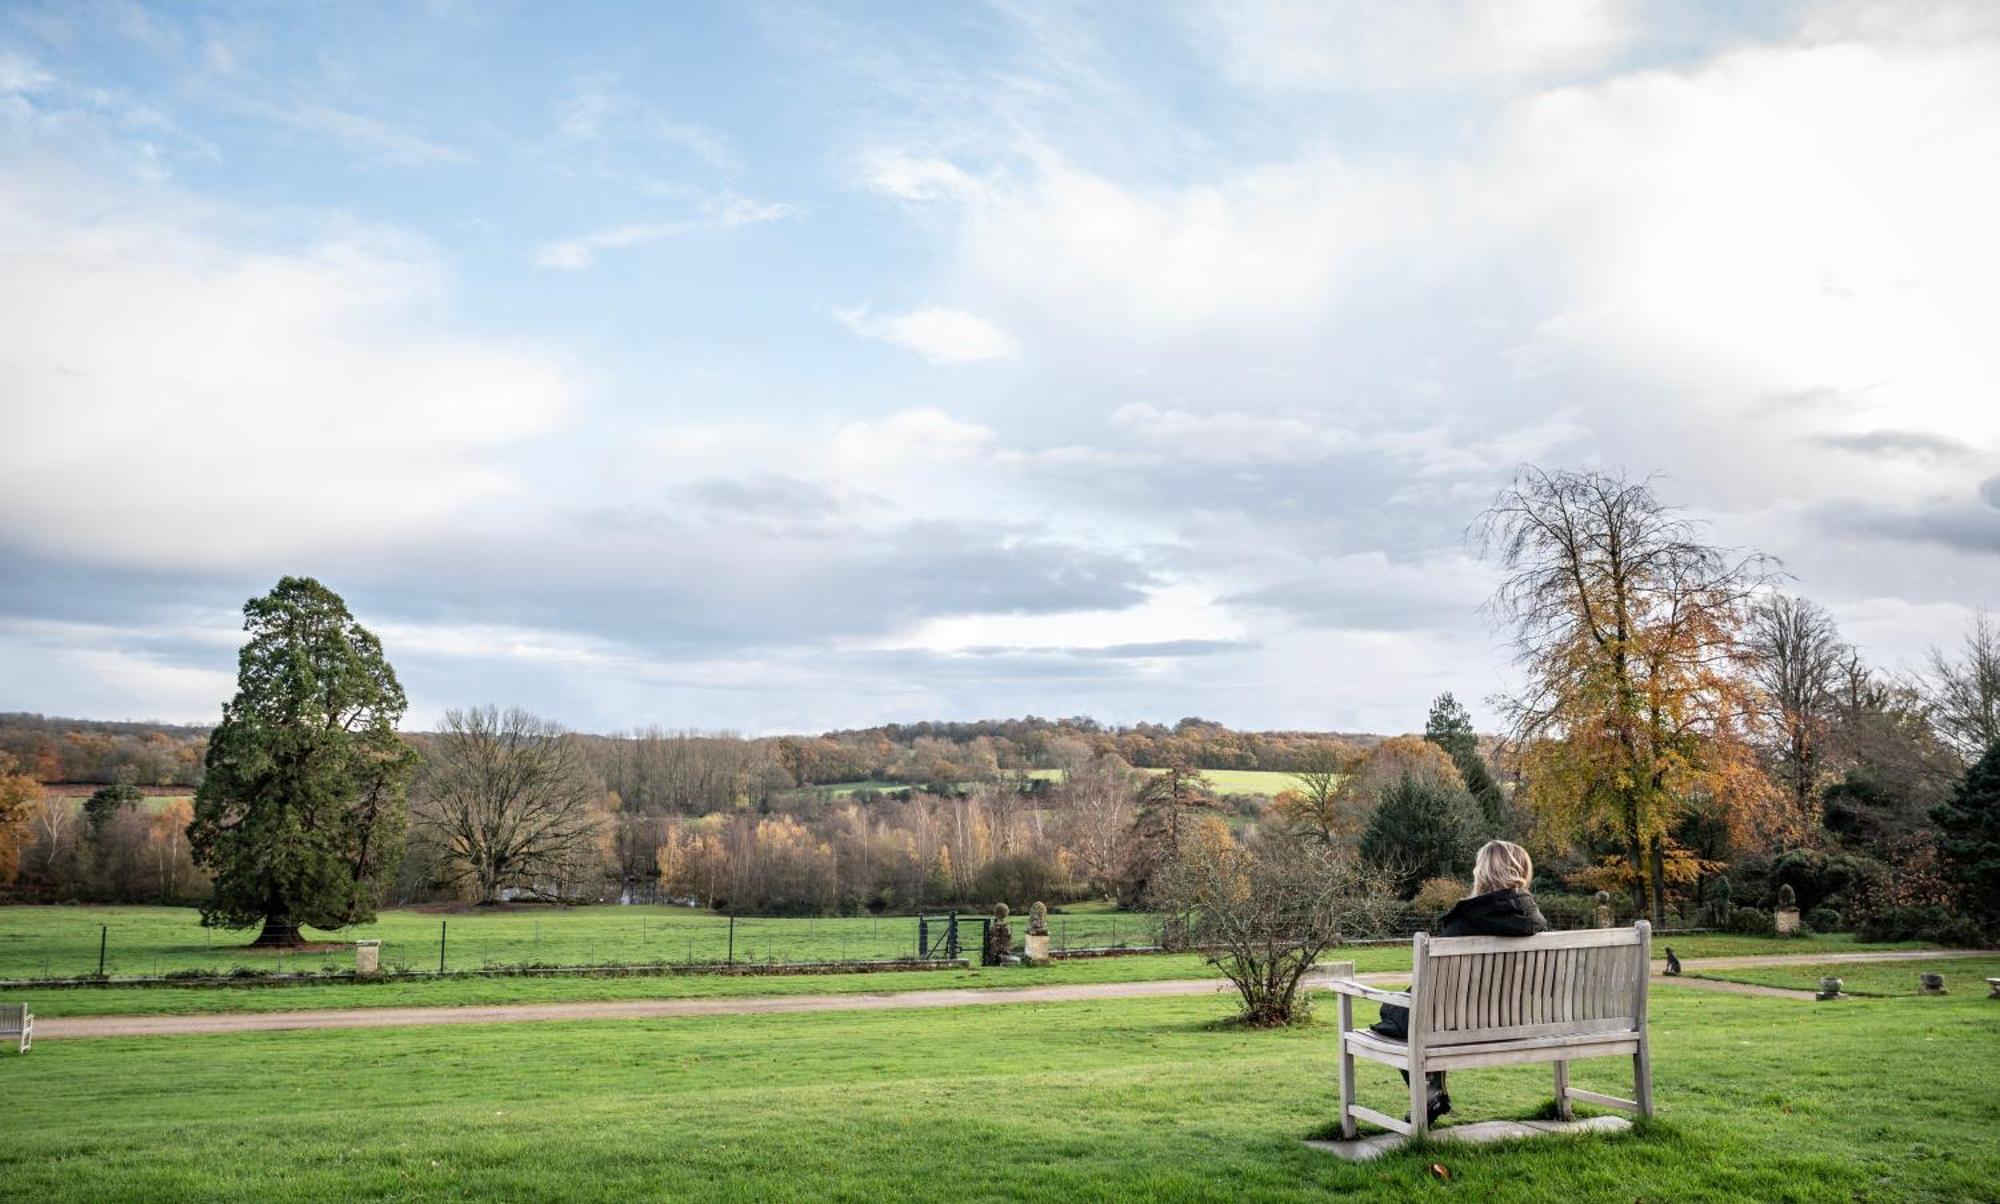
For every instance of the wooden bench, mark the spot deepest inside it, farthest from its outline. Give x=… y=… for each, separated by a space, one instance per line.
x=1503 y=1001
x=17 y=1021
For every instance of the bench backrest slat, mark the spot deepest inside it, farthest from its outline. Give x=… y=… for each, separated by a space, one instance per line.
x=1508 y=988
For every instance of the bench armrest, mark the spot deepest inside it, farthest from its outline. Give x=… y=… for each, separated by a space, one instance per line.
x=1343 y=986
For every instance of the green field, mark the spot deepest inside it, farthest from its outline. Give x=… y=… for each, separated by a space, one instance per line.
x=1761 y=1099
x=1962 y=975
x=62 y=941
x=1265 y=782
x=174 y=928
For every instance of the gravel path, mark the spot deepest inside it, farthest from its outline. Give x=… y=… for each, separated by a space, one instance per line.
x=58 y=1027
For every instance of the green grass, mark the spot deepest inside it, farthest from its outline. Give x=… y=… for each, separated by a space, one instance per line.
x=1962 y=975
x=453 y=992
x=1761 y=1099
x=61 y=941
x=1265 y=782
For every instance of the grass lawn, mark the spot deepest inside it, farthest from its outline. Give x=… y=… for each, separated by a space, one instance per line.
x=1962 y=976
x=1761 y=1099
x=453 y=992
x=61 y=941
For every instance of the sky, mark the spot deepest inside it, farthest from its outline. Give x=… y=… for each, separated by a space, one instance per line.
x=788 y=366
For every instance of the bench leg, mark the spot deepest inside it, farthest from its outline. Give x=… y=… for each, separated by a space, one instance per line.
x=1563 y=1109
x=1642 y=1077
x=1420 y=1103
x=1347 y=1130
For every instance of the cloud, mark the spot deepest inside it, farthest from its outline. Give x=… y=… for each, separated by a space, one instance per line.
x=233 y=403
x=1372 y=591
x=940 y=335
x=1922 y=445
x=1971 y=527
x=908 y=177
x=369 y=137
x=1363 y=45
x=596 y=111
x=715 y=214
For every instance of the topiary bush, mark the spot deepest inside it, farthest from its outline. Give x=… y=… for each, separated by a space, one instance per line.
x=1824 y=919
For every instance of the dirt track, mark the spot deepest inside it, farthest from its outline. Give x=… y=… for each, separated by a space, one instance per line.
x=57 y=1027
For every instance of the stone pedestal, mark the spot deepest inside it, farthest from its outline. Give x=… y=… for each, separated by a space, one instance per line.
x=1037 y=951
x=367 y=959
x=1788 y=920
x=1930 y=984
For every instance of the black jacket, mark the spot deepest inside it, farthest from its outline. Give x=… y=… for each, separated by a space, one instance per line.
x=1502 y=913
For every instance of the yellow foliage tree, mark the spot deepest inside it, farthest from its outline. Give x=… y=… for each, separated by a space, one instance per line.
x=20 y=799
x=1629 y=629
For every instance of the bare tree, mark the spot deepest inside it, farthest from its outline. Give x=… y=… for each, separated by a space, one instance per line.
x=1266 y=914
x=1098 y=803
x=511 y=801
x=1314 y=810
x=1800 y=667
x=1963 y=692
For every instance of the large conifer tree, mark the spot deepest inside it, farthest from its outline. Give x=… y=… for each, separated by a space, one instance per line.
x=1969 y=839
x=302 y=811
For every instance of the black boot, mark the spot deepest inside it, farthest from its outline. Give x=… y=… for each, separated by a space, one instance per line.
x=1440 y=1100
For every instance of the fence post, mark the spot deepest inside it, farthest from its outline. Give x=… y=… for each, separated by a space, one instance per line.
x=923 y=937
x=732 y=938
x=442 y=925
x=103 y=939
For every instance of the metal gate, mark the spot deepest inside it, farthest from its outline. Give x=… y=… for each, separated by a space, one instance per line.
x=944 y=936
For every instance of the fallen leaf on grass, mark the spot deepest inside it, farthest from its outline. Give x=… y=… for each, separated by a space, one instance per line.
x=1439 y=1169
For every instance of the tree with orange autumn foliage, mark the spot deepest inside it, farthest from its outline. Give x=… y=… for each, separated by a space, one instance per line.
x=20 y=799
x=1629 y=629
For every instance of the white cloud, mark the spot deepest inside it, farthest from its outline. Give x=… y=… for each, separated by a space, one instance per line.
x=715 y=214
x=1359 y=45
x=863 y=450
x=229 y=405
x=369 y=137
x=916 y=178
x=939 y=334
x=596 y=111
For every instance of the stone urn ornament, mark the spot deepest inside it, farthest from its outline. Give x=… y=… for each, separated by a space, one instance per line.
x=1930 y=984
x=1829 y=988
x=1037 y=951
x=999 y=937
x=1787 y=916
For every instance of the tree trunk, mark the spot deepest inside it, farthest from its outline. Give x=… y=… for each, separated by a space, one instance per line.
x=1659 y=876
x=1636 y=854
x=277 y=931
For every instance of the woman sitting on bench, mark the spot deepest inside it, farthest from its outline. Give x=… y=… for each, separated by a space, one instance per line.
x=1499 y=905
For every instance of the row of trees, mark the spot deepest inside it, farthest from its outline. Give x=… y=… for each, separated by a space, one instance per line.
x=137 y=754
x=1682 y=724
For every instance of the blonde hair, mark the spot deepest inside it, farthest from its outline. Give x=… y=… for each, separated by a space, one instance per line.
x=1501 y=865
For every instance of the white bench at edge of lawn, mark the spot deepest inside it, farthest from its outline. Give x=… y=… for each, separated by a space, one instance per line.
x=17 y=1021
